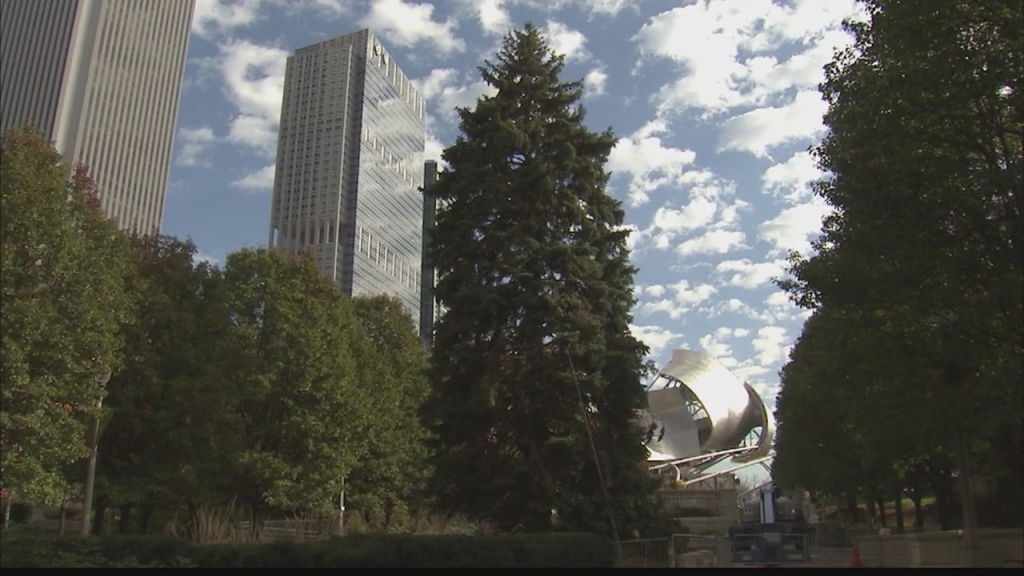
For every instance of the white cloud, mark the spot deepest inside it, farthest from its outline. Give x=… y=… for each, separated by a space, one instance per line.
x=194 y=142
x=433 y=149
x=697 y=214
x=648 y=162
x=685 y=298
x=712 y=242
x=261 y=180
x=433 y=85
x=256 y=131
x=492 y=15
x=441 y=87
x=721 y=49
x=771 y=345
x=715 y=347
x=760 y=130
x=778 y=299
x=408 y=25
x=656 y=290
x=795 y=226
x=732 y=306
x=706 y=192
x=594 y=82
x=201 y=256
x=609 y=7
x=655 y=337
x=213 y=17
x=791 y=179
x=723 y=332
x=565 y=41
x=746 y=274
x=253 y=82
x=592 y=7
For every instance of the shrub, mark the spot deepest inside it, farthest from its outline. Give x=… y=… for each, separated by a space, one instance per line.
x=25 y=548
x=32 y=547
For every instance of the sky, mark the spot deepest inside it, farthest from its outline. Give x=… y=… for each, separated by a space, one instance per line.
x=715 y=104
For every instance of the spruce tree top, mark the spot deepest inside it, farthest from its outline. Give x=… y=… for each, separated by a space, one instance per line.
x=525 y=171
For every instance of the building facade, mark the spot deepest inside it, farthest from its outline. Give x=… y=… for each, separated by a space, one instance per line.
x=430 y=173
x=350 y=167
x=102 y=79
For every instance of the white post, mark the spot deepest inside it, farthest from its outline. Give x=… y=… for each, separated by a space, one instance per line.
x=341 y=509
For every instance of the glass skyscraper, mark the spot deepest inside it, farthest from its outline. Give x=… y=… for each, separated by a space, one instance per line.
x=350 y=166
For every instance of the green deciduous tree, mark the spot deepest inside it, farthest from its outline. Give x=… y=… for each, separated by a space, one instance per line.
x=394 y=366
x=62 y=304
x=924 y=169
x=172 y=433
x=533 y=358
x=303 y=413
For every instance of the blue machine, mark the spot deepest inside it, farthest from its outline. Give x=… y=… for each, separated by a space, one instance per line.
x=777 y=535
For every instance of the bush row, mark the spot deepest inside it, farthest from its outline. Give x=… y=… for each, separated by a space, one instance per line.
x=21 y=547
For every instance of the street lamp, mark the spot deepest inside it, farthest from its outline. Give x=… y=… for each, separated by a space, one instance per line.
x=90 y=475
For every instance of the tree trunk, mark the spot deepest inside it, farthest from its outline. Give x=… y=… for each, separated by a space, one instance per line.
x=145 y=513
x=944 y=502
x=851 y=507
x=63 y=516
x=918 y=511
x=870 y=506
x=7 y=509
x=126 y=515
x=899 y=511
x=881 y=512
x=98 y=524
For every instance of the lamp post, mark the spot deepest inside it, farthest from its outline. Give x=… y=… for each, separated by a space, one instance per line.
x=90 y=475
x=341 y=509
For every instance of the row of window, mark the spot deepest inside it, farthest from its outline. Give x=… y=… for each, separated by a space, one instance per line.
x=129 y=184
x=383 y=256
x=405 y=88
x=389 y=158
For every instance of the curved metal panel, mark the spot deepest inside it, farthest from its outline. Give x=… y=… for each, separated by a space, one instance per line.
x=677 y=433
x=706 y=408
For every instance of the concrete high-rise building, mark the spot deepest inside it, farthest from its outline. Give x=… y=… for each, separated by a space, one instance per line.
x=102 y=79
x=350 y=166
x=427 y=273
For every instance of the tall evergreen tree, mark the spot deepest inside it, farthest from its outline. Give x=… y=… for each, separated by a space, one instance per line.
x=535 y=374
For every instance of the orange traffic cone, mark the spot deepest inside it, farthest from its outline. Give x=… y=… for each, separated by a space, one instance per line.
x=855 y=557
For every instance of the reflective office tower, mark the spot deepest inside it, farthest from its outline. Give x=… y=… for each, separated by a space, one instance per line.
x=427 y=274
x=102 y=79
x=350 y=166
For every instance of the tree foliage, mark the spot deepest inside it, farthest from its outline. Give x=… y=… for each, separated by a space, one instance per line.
x=63 y=301
x=396 y=465
x=302 y=413
x=169 y=438
x=925 y=250
x=533 y=355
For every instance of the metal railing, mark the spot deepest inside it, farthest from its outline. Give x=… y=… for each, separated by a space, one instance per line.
x=646 y=553
x=300 y=530
x=696 y=551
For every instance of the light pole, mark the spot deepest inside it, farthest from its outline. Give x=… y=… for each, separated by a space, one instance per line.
x=341 y=509
x=90 y=475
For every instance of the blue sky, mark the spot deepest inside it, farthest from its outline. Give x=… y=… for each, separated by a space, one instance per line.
x=715 y=103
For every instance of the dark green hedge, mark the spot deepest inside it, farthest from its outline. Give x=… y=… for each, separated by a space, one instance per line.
x=355 y=551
